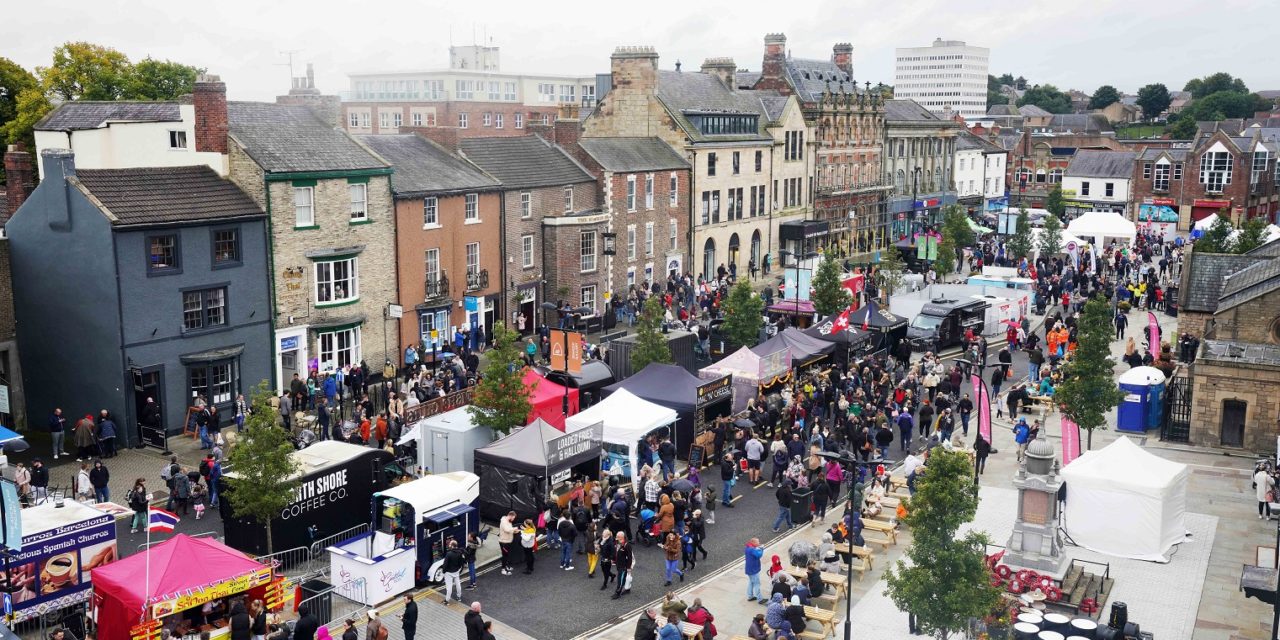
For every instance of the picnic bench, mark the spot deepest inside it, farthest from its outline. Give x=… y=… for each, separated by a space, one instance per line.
x=691 y=631
x=880 y=526
x=838 y=584
x=825 y=619
x=862 y=556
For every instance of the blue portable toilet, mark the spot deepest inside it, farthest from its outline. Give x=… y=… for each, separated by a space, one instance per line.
x=1142 y=406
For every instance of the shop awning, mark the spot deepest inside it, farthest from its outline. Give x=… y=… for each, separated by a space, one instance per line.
x=793 y=307
x=802 y=229
x=212 y=355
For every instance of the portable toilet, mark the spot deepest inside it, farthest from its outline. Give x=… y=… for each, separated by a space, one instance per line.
x=1141 y=408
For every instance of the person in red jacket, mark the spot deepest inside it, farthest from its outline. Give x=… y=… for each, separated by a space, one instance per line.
x=698 y=614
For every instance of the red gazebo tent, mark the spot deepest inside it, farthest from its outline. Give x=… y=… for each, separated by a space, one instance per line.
x=185 y=572
x=547 y=399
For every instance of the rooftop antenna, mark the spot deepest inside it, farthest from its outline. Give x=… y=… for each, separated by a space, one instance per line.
x=289 y=64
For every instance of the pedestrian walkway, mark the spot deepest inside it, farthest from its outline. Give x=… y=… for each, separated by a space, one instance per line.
x=436 y=621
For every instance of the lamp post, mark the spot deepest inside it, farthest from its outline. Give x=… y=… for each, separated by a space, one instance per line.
x=848 y=461
x=915 y=212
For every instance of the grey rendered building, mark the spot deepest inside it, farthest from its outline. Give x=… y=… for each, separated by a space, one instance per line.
x=137 y=283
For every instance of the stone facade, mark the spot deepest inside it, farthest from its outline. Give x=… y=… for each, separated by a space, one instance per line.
x=1214 y=384
x=1255 y=321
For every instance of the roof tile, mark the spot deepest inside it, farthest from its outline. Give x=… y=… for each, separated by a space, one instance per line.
x=422 y=166
x=166 y=195
x=522 y=162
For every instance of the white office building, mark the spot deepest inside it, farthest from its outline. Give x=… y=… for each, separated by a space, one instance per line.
x=948 y=74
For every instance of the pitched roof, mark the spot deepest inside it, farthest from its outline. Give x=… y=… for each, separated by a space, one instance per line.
x=1093 y=163
x=1080 y=122
x=810 y=78
x=1154 y=153
x=969 y=141
x=772 y=103
x=166 y=195
x=1206 y=275
x=627 y=155
x=747 y=79
x=94 y=114
x=1033 y=110
x=682 y=93
x=1249 y=283
x=287 y=138
x=524 y=161
x=1237 y=353
x=907 y=111
x=1268 y=250
x=422 y=166
x=1003 y=110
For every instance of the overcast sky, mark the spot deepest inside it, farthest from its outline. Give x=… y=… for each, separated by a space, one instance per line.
x=1077 y=44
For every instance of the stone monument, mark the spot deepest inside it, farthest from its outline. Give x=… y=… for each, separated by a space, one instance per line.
x=1036 y=542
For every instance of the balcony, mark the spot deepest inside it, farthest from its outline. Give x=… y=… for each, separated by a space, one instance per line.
x=436 y=288
x=477 y=280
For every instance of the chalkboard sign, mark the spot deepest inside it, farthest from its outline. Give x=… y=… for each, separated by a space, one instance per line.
x=696 y=455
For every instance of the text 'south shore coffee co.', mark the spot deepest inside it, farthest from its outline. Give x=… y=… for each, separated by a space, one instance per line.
x=61 y=544
x=336 y=484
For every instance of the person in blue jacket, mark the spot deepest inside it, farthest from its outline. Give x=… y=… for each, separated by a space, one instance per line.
x=752 y=554
x=1021 y=435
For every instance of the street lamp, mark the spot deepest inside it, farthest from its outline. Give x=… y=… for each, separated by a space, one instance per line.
x=915 y=212
x=848 y=461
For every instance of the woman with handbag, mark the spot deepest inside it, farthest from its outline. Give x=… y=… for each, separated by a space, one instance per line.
x=1264 y=487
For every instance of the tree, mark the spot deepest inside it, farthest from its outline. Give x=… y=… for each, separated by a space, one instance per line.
x=1088 y=389
x=1020 y=244
x=1020 y=83
x=32 y=105
x=1184 y=128
x=501 y=399
x=13 y=81
x=86 y=71
x=265 y=471
x=1253 y=234
x=1055 y=203
x=743 y=315
x=1154 y=99
x=1217 y=238
x=1227 y=104
x=1047 y=97
x=1050 y=242
x=1221 y=81
x=994 y=94
x=1103 y=97
x=956 y=234
x=947 y=581
x=829 y=295
x=889 y=272
x=151 y=79
x=947 y=257
x=650 y=345
x=1006 y=78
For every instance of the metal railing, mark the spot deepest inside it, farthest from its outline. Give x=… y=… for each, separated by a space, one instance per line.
x=437 y=287
x=328 y=609
x=477 y=280
x=207 y=534
x=305 y=562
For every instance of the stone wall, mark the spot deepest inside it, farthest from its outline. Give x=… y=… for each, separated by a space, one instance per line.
x=1253 y=321
x=1214 y=384
x=1194 y=322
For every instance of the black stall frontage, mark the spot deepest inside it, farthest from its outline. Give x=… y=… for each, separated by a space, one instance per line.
x=851 y=342
x=595 y=375
x=886 y=328
x=697 y=402
x=533 y=466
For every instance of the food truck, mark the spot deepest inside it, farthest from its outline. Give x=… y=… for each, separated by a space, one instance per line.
x=412 y=524
x=62 y=542
x=336 y=480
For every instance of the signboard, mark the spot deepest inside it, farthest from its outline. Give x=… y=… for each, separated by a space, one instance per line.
x=278 y=594
x=1070 y=441
x=789 y=278
x=4 y=398
x=146 y=631
x=470 y=303
x=288 y=344
x=1164 y=202
x=1216 y=204
x=55 y=565
x=1156 y=213
x=438 y=405
x=566 y=351
x=12 y=534
x=573 y=444
x=610 y=243
x=713 y=391
x=697 y=453
x=207 y=593
x=775 y=364
x=395 y=311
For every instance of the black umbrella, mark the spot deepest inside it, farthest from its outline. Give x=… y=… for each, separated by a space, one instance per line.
x=683 y=486
x=16 y=446
x=743 y=423
x=549 y=306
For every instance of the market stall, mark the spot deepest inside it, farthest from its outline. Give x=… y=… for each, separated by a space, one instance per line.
x=800 y=311
x=1101 y=227
x=805 y=351
x=594 y=376
x=444 y=442
x=533 y=465
x=184 y=574
x=752 y=374
x=627 y=420
x=698 y=402
x=62 y=543
x=547 y=399
x=851 y=341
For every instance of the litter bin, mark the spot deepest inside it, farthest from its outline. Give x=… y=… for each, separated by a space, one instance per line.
x=318 y=596
x=801 y=503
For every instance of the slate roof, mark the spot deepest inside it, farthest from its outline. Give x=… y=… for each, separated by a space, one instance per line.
x=772 y=104
x=969 y=141
x=422 y=166
x=1268 y=250
x=684 y=92
x=747 y=79
x=1033 y=111
x=290 y=138
x=1153 y=153
x=166 y=195
x=1092 y=163
x=1249 y=283
x=811 y=78
x=1206 y=276
x=626 y=155
x=522 y=162
x=1003 y=110
x=94 y=114
x=1234 y=352
x=907 y=111
x=1080 y=122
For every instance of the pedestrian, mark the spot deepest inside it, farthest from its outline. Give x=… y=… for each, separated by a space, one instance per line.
x=57 y=432
x=349 y=631
x=981 y=449
x=22 y=478
x=86 y=438
x=39 y=480
x=107 y=435
x=1264 y=486
x=506 y=535
x=752 y=554
x=783 y=495
x=138 y=500
x=758 y=629
x=699 y=615
x=374 y=629
x=821 y=495
x=568 y=534
x=647 y=625
x=905 y=425
x=1021 y=436
x=622 y=560
x=728 y=474
x=83 y=486
x=473 y=546
x=454 y=561
x=307 y=624
x=1121 y=322
x=241 y=624
x=214 y=478
x=528 y=538
x=671 y=549
x=258 y=616
x=671 y=630
x=698 y=530
x=241 y=411
x=409 y=618
x=99 y=477
x=181 y=492
x=606 y=549
x=474 y=622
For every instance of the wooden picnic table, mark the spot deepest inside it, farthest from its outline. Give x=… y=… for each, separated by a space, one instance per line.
x=834 y=580
x=880 y=526
x=827 y=619
x=691 y=631
x=863 y=556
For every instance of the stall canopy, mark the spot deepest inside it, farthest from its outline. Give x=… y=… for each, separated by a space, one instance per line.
x=804 y=349
x=179 y=565
x=1127 y=502
x=525 y=450
x=875 y=318
x=1103 y=226
x=547 y=399
x=595 y=375
x=750 y=372
x=515 y=471
x=1065 y=239
x=667 y=385
x=627 y=419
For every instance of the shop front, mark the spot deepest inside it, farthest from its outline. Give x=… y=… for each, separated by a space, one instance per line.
x=801 y=237
x=1201 y=209
x=1159 y=215
x=292 y=355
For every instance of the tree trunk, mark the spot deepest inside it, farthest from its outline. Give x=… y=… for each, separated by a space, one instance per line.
x=1089 y=440
x=269 y=549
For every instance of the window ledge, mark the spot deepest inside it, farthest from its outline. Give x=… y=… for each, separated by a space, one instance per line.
x=229 y=264
x=358 y=222
x=475 y=221
x=327 y=305
x=588 y=270
x=307 y=228
x=428 y=227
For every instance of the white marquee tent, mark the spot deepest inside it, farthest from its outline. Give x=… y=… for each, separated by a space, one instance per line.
x=627 y=419
x=1100 y=227
x=1125 y=501
x=1065 y=239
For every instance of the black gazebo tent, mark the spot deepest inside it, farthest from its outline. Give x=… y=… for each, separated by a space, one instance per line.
x=851 y=342
x=805 y=350
x=671 y=386
x=515 y=472
x=877 y=320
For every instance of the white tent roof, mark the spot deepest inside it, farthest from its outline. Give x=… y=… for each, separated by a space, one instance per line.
x=430 y=493
x=626 y=417
x=1103 y=224
x=1125 y=501
x=1066 y=239
x=1204 y=223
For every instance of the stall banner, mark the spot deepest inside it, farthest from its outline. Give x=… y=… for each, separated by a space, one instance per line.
x=775 y=364
x=12 y=506
x=1153 y=335
x=148 y=630
x=278 y=594
x=712 y=391
x=438 y=405
x=173 y=603
x=797 y=282
x=574 y=443
x=1156 y=213
x=56 y=563
x=1070 y=441
x=566 y=351
x=984 y=407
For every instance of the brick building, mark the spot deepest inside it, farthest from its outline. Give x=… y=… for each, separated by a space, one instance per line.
x=448 y=237
x=1038 y=160
x=19 y=183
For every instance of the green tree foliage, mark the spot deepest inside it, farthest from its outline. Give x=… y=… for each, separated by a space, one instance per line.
x=1088 y=389
x=501 y=400
x=1050 y=242
x=1253 y=234
x=829 y=294
x=265 y=471
x=1006 y=78
x=1154 y=99
x=86 y=71
x=1020 y=244
x=32 y=105
x=890 y=271
x=651 y=346
x=1047 y=97
x=1225 y=104
x=13 y=81
x=1055 y=203
x=1184 y=128
x=1221 y=81
x=994 y=95
x=1217 y=238
x=1105 y=96
x=151 y=79
x=947 y=256
x=956 y=235
x=743 y=315
x=947 y=581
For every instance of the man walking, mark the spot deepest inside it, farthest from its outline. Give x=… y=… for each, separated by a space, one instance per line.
x=409 y=619
x=728 y=471
x=1121 y=322
x=752 y=554
x=474 y=622
x=57 y=432
x=39 y=480
x=454 y=561
x=905 y=425
x=783 y=494
x=755 y=458
x=99 y=477
x=506 y=535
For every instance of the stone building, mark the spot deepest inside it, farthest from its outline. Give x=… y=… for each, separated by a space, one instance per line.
x=332 y=225
x=19 y=177
x=1203 y=276
x=919 y=148
x=448 y=238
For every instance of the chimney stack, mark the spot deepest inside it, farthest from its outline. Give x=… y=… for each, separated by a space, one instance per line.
x=634 y=69
x=210 y=101
x=19 y=178
x=842 y=56
x=724 y=69
x=446 y=137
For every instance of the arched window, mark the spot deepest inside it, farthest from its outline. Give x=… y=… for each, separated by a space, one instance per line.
x=709 y=259
x=1040 y=176
x=755 y=246
x=733 y=249
x=1023 y=175
x=901 y=181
